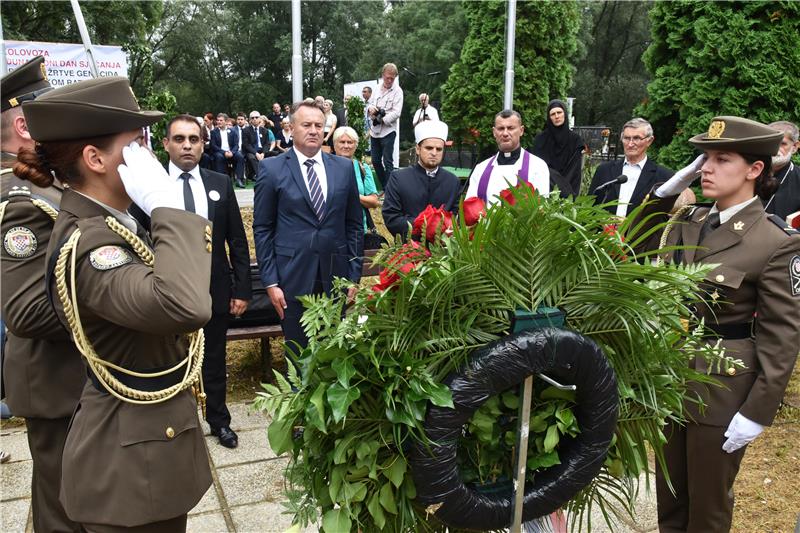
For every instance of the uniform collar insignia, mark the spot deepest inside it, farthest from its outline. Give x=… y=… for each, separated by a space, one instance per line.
x=738 y=225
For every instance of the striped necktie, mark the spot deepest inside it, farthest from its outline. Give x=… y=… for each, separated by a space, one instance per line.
x=317 y=198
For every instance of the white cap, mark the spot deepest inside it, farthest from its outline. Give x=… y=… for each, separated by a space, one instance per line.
x=430 y=128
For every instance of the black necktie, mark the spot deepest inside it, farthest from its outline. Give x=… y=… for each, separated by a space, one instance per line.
x=711 y=223
x=188 y=197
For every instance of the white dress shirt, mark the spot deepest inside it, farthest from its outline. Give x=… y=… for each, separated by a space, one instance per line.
x=632 y=171
x=223 y=136
x=319 y=168
x=198 y=189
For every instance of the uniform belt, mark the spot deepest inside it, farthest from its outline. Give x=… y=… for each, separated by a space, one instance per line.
x=143 y=384
x=731 y=331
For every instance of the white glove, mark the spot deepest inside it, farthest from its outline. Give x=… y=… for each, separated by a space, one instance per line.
x=682 y=178
x=741 y=432
x=146 y=181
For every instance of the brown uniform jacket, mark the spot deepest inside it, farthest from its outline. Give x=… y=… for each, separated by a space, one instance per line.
x=753 y=283
x=128 y=464
x=43 y=371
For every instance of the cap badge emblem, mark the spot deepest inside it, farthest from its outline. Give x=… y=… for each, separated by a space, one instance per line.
x=716 y=129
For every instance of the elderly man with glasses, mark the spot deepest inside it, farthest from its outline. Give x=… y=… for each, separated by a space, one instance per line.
x=640 y=173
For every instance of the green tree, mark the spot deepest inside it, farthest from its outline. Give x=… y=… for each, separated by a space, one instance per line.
x=719 y=58
x=545 y=43
x=610 y=79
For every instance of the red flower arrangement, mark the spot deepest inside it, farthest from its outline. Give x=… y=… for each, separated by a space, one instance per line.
x=474 y=210
x=434 y=221
x=508 y=196
x=401 y=263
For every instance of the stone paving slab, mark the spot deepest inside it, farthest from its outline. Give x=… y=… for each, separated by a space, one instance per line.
x=14 y=514
x=209 y=502
x=244 y=197
x=212 y=522
x=266 y=517
x=15 y=480
x=16 y=444
x=253 y=482
x=253 y=446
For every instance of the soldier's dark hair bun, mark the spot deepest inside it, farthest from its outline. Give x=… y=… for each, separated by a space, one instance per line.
x=30 y=166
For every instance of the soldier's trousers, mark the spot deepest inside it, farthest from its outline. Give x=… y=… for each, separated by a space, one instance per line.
x=702 y=474
x=46 y=439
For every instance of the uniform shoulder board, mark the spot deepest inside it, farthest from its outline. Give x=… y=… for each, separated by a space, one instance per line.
x=109 y=256
x=18 y=190
x=778 y=221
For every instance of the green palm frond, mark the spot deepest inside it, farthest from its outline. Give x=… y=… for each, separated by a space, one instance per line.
x=369 y=376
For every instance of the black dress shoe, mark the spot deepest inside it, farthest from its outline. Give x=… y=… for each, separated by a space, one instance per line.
x=240 y=184
x=226 y=436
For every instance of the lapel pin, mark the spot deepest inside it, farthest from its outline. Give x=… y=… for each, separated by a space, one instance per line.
x=738 y=226
x=214 y=195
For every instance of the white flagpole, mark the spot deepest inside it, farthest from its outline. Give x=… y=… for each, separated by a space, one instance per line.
x=87 y=42
x=297 y=57
x=508 y=98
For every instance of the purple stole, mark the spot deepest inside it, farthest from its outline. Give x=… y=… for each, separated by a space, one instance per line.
x=483 y=184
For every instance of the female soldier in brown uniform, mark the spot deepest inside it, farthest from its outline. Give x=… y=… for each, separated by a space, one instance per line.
x=134 y=459
x=753 y=305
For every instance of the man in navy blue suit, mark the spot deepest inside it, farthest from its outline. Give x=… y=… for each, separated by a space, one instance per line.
x=307 y=221
x=225 y=148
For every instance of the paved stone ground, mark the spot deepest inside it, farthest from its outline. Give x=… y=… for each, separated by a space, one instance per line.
x=244 y=197
x=248 y=486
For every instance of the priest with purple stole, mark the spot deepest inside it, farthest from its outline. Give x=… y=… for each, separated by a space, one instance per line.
x=509 y=165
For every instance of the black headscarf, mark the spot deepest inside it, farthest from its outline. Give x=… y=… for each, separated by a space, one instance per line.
x=558 y=146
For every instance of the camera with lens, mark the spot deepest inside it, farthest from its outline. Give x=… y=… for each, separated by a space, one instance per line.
x=378 y=118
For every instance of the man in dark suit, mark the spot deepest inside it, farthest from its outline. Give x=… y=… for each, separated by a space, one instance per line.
x=307 y=221
x=276 y=117
x=225 y=148
x=211 y=195
x=255 y=142
x=641 y=172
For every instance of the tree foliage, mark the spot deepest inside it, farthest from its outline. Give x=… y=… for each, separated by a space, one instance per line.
x=610 y=79
x=719 y=58
x=545 y=44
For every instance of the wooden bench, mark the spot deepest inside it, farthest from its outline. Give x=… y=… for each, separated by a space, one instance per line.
x=265 y=333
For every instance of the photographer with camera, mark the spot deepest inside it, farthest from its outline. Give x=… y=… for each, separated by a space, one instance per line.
x=384 y=114
x=425 y=111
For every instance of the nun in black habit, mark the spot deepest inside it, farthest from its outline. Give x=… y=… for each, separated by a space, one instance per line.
x=559 y=147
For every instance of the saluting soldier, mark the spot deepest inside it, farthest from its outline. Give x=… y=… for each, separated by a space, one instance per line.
x=135 y=455
x=43 y=372
x=752 y=304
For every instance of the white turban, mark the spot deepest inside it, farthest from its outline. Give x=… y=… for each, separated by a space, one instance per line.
x=430 y=128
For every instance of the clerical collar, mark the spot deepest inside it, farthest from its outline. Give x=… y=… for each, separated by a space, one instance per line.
x=509 y=158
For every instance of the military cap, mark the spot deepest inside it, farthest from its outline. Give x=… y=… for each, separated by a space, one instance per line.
x=739 y=135
x=25 y=83
x=92 y=108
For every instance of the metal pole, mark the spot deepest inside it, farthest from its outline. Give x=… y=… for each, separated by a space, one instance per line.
x=508 y=98
x=297 y=57
x=87 y=42
x=3 y=66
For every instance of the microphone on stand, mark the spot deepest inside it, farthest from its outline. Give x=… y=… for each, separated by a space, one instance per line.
x=622 y=178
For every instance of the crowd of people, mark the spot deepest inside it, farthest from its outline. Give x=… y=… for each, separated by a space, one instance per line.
x=110 y=257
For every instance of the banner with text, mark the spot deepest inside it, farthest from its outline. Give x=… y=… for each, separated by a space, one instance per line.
x=67 y=63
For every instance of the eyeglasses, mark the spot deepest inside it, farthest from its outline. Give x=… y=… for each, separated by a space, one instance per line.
x=635 y=140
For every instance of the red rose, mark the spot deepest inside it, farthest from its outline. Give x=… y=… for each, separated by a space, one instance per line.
x=404 y=261
x=618 y=251
x=474 y=209
x=435 y=221
x=508 y=196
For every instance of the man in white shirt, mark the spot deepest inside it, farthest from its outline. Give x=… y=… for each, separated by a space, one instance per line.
x=384 y=113
x=640 y=172
x=425 y=111
x=510 y=164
